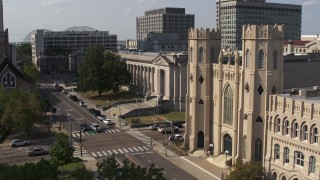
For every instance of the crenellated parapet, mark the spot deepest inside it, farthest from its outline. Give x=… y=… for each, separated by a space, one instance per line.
x=196 y=33
x=263 y=31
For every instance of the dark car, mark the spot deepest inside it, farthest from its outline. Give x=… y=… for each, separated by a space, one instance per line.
x=84 y=127
x=96 y=113
x=37 y=151
x=178 y=124
x=59 y=88
x=74 y=98
x=154 y=127
x=91 y=110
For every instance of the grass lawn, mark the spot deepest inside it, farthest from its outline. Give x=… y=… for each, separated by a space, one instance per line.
x=110 y=96
x=171 y=116
x=70 y=167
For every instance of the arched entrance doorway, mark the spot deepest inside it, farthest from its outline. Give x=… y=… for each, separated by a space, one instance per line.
x=200 y=139
x=227 y=141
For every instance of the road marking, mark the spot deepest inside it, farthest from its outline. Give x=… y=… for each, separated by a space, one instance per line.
x=109 y=131
x=139 y=153
x=93 y=154
x=140 y=148
x=118 y=130
x=83 y=134
x=131 y=150
x=113 y=131
x=120 y=150
x=115 y=152
x=149 y=161
x=104 y=153
x=74 y=135
x=99 y=154
x=125 y=150
x=145 y=148
x=136 y=149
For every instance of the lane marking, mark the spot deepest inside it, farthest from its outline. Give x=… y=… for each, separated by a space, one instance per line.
x=140 y=148
x=125 y=150
x=131 y=150
x=104 y=153
x=94 y=154
x=99 y=154
x=109 y=152
x=136 y=149
x=120 y=151
x=115 y=152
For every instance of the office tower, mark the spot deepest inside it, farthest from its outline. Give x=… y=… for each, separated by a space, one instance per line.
x=164 y=29
x=233 y=14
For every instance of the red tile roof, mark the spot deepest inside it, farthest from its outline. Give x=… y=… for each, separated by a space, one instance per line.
x=297 y=42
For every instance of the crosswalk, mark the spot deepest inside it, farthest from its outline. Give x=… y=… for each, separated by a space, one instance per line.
x=118 y=151
x=77 y=133
x=143 y=138
x=77 y=151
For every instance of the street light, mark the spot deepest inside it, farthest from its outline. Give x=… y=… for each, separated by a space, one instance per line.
x=211 y=149
x=226 y=152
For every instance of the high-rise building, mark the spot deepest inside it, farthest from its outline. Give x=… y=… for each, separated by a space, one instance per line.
x=164 y=29
x=233 y=14
x=74 y=39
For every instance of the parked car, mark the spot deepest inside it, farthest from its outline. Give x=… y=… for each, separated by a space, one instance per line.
x=96 y=113
x=176 y=137
x=96 y=127
x=81 y=103
x=84 y=127
x=179 y=124
x=168 y=129
x=91 y=110
x=108 y=122
x=69 y=95
x=55 y=84
x=63 y=91
x=19 y=142
x=101 y=117
x=37 y=151
x=59 y=88
x=154 y=127
x=74 y=98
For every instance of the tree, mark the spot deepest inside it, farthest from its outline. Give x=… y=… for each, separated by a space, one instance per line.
x=24 y=52
x=30 y=71
x=246 y=171
x=110 y=169
x=4 y=99
x=22 y=111
x=82 y=174
x=62 y=151
x=102 y=71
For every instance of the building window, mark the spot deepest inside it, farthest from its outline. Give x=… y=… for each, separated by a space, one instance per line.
x=248 y=59
x=260 y=59
x=286 y=155
x=201 y=54
x=278 y=126
x=258 y=150
x=295 y=130
x=305 y=133
x=275 y=60
x=259 y=119
x=283 y=178
x=244 y=148
x=8 y=80
x=191 y=54
x=277 y=151
x=260 y=89
x=201 y=101
x=312 y=164
x=299 y=156
x=286 y=127
x=314 y=137
x=228 y=105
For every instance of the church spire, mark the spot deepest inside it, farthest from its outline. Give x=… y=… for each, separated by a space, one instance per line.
x=1 y=16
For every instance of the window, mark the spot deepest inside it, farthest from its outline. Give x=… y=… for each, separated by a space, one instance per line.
x=283 y=178
x=191 y=54
x=275 y=60
x=258 y=150
x=259 y=119
x=277 y=151
x=314 y=137
x=8 y=80
x=248 y=59
x=228 y=105
x=299 y=158
x=305 y=133
x=286 y=127
x=260 y=89
x=201 y=54
x=244 y=148
x=286 y=155
x=261 y=60
x=295 y=130
x=278 y=125
x=312 y=164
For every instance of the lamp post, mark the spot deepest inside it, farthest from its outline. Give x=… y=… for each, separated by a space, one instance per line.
x=211 y=149
x=226 y=152
x=137 y=98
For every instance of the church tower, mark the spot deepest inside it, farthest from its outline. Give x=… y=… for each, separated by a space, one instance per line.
x=1 y=16
x=204 y=47
x=4 y=36
x=262 y=76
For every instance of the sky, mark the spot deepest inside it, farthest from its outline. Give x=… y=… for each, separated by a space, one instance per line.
x=119 y=16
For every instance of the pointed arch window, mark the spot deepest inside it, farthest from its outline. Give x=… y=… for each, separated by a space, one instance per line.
x=277 y=151
x=191 y=54
x=275 y=60
x=258 y=150
x=212 y=55
x=260 y=59
x=286 y=155
x=312 y=164
x=315 y=134
x=295 y=129
x=228 y=105
x=248 y=59
x=278 y=125
x=8 y=80
x=286 y=127
x=201 y=55
x=305 y=133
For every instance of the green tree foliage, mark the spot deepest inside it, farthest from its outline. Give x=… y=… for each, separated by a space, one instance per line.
x=62 y=151
x=45 y=106
x=82 y=174
x=4 y=99
x=246 y=171
x=102 y=71
x=22 y=111
x=110 y=169
x=30 y=171
x=30 y=71
x=55 y=51
x=24 y=52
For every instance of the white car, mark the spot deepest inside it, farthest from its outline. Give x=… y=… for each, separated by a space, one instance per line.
x=167 y=129
x=176 y=137
x=101 y=117
x=107 y=121
x=96 y=127
x=18 y=142
x=81 y=103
